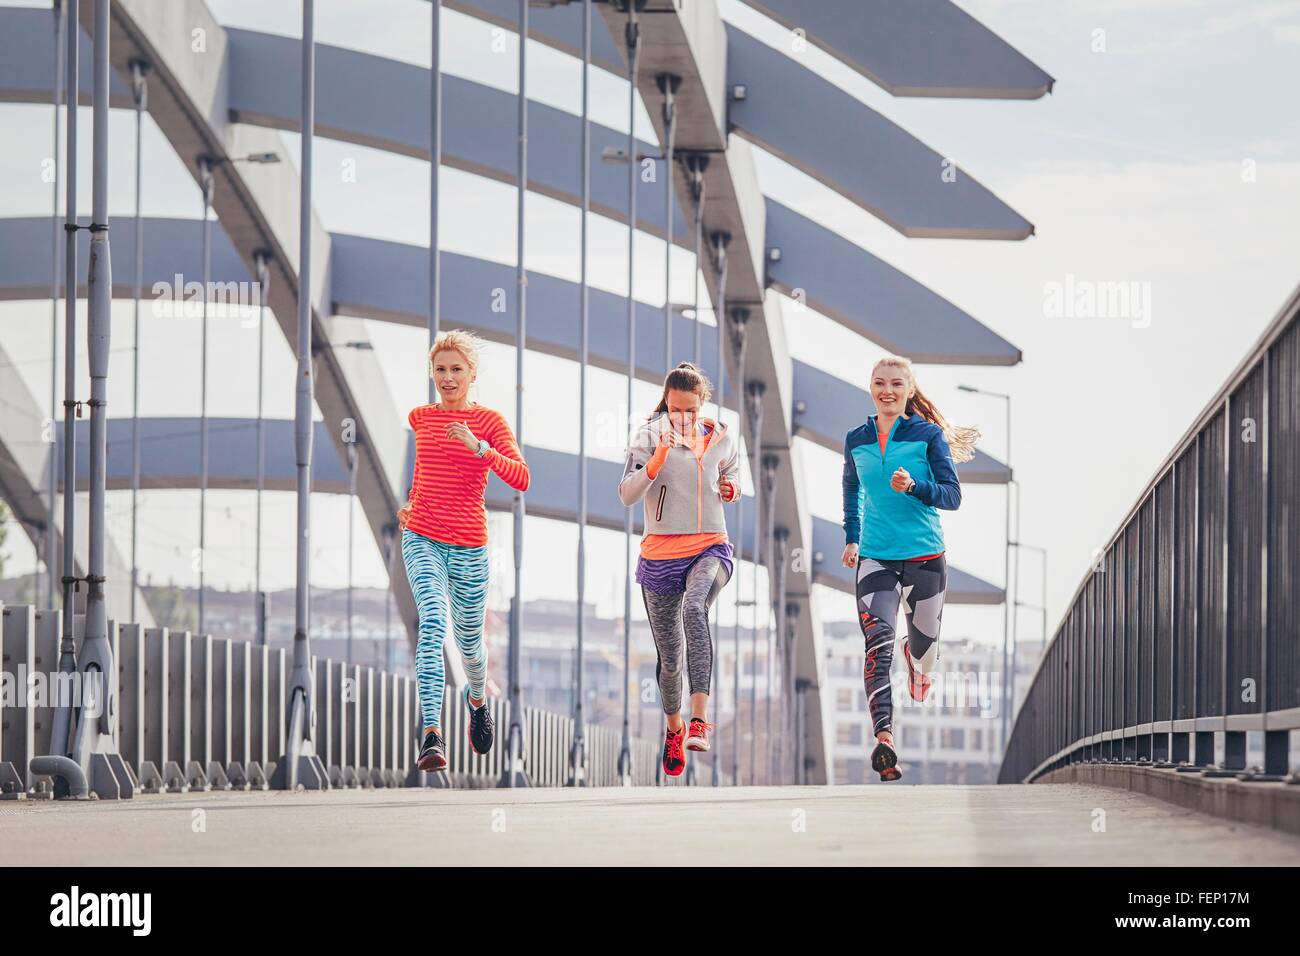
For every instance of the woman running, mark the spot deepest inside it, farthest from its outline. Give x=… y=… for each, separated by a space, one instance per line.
x=444 y=534
x=898 y=468
x=683 y=467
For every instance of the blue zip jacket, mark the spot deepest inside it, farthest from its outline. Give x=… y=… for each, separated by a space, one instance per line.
x=898 y=525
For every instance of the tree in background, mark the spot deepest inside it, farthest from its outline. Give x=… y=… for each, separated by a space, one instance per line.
x=172 y=607
x=21 y=590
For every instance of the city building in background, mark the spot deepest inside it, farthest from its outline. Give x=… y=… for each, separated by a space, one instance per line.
x=953 y=737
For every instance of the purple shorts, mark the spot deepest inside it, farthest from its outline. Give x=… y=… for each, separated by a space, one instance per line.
x=668 y=575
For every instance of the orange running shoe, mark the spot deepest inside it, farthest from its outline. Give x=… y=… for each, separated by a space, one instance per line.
x=674 y=758
x=697 y=737
x=918 y=684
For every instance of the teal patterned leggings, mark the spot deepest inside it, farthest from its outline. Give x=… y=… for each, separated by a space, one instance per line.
x=437 y=572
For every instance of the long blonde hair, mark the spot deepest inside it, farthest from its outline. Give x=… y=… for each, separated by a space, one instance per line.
x=961 y=439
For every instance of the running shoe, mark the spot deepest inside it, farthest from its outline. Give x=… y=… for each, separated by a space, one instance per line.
x=884 y=760
x=482 y=728
x=918 y=684
x=433 y=755
x=674 y=758
x=697 y=736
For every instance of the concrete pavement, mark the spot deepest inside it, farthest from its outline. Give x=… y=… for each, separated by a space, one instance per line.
x=1044 y=824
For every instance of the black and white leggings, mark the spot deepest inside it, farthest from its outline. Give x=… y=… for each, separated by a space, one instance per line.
x=679 y=624
x=881 y=586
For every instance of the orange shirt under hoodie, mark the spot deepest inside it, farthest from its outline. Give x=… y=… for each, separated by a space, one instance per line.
x=657 y=547
x=449 y=482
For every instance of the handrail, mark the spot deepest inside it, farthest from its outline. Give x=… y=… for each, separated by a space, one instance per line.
x=202 y=713
x=1146 y=662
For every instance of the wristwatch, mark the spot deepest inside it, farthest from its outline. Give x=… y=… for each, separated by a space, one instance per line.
x=910 y=486
x=483 y=447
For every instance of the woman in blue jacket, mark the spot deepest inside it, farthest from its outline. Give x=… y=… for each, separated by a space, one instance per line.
x=898 y=473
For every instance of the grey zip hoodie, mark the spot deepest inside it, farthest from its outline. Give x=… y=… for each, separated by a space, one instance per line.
x=683 y=497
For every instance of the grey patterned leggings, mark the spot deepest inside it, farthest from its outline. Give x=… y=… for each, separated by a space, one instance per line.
x=679 y=624
x=881 y=586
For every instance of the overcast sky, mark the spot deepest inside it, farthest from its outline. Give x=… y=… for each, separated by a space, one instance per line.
x=1168 y=155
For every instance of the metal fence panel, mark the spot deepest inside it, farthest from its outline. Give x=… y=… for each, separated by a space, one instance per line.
x=277 y=717
x=18 y=724
x=201 y=699
x=194 y=706
x=179 y=741
x=1146 y=596
x=157 y=677
x=1162 y=568
x=1186 y=582
x=1096 y=632
x=222 y=735
x=1282 y=674
x=1129 y=671
x=131 y=654
x=1245 y=531
x=241 y=701
x=259 y=716
x=1115 y=642
x=1211 y=562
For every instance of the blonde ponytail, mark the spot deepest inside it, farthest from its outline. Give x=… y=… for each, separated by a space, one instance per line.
x=961 y=439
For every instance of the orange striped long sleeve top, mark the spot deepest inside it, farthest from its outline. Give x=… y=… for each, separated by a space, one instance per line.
x=449 y=480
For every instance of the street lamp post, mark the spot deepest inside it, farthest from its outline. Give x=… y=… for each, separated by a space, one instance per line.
x=1013 y=485
x=1042 y=607
x=1006 y=565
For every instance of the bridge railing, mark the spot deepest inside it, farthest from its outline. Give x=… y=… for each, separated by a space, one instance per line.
x=200 y=713
x=1188 y=624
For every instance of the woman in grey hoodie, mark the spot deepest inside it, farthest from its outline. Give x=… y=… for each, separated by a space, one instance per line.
x=683 y=467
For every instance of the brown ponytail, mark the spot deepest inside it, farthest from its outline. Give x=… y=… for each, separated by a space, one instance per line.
x=686 y=377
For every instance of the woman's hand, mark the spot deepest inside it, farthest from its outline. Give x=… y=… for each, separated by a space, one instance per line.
x=403 y=515
x=461 y=431
x=727 y=490
x=850 y=558
x=901 y=480
x=667 y=441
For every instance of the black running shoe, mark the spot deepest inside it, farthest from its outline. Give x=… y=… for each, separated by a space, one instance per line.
x=433 y=754
x=884 y=760
x=482 y=729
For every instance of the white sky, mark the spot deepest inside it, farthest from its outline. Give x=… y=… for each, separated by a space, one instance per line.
x=1131 y=171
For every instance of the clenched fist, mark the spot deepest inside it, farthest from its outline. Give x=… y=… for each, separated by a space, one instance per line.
x=461 y=431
